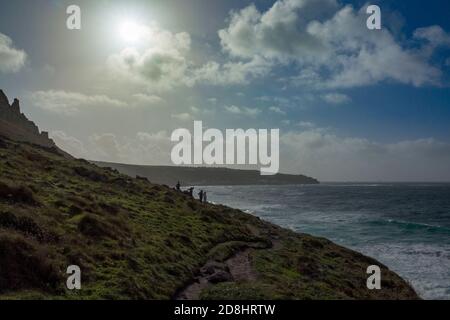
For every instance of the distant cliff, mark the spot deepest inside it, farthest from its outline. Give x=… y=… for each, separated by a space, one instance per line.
x=206 y=176
x=15 y=125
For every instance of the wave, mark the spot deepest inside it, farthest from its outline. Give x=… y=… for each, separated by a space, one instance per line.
x=408 y=225
x=263 y=208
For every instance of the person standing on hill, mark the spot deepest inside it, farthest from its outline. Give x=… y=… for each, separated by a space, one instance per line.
x=200 y=195
x=178 y=186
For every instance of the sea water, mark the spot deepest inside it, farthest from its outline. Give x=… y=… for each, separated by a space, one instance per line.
x=405 y=226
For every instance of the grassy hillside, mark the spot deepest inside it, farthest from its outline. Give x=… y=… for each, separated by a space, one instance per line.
x=136 y=240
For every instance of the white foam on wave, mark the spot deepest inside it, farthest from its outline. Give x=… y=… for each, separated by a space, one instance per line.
x=425 y=266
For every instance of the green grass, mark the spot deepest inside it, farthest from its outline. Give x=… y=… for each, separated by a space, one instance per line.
x=136 y=240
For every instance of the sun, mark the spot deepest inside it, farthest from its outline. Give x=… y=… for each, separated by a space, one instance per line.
x=130 y=31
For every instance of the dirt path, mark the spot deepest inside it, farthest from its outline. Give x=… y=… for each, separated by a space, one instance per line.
x=240 y=266
x=236 y=268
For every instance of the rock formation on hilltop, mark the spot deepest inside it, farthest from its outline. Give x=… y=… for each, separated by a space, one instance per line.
x=15 y=125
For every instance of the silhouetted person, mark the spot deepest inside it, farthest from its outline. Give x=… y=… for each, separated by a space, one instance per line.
x=200 y=195
x=191 y=192
x=178 y=186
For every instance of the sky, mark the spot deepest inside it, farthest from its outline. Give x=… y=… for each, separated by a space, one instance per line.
x=352 y=104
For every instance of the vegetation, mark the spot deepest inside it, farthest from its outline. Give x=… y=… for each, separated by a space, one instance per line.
x=136 y=240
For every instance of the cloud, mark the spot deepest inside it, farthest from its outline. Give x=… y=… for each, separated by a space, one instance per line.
x=182 y=116
x=332 y=158
x=70 y=103
x=252 y=112
x=161 y=64
x=277 y=110
x=69 y=144
x=279 y=33
x=164 y=62
x=306 y=124
x=148 y=99
x=231 y=73
x=11 y=59
x=435 y=35
x=202 y=111
x=329 y=45
x=195 y=109
x=144 y=148
x=336 y=98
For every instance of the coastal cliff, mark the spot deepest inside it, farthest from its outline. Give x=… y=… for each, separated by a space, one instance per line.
x=134 y=239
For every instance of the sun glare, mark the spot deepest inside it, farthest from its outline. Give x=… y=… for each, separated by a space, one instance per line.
x=130 y=31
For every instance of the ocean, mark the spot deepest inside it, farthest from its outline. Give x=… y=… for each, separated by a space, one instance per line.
x=405 y=226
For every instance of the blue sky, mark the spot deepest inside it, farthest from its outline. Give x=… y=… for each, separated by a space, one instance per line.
x=352 y=104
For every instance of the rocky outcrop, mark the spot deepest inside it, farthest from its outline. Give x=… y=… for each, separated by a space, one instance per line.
x=16 y=126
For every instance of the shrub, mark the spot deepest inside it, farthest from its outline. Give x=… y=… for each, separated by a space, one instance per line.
x=93 y=227
x=90 y=174
x=15 y=193
x=23 y=266
x=109 y=208
x=74 y=210
x=25 y=225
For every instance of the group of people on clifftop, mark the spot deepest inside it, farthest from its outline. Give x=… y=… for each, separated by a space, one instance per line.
x=202 y=195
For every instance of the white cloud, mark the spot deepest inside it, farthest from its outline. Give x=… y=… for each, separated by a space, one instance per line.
x=231 y=73
x=148 y=99
x=69 y=144
x=202 y=111
x=435 y=35
x=336 y=98
x=144 y=148
x=330 y=45
x=252 y=112
x=332 y=158
x=182 y=116
x=279 y=33
x=277 y=110
x=195 y=109
x=306 y=124
x=70 y=103
x=162 y=63
x=11 y=59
